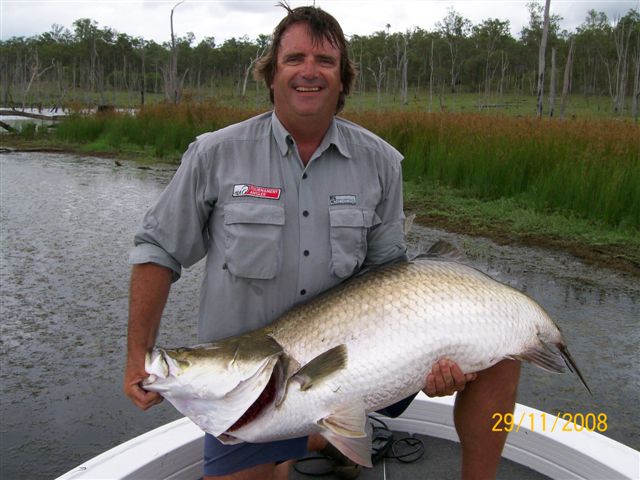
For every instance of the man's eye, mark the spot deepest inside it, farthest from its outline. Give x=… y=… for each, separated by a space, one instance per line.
x=327 y=61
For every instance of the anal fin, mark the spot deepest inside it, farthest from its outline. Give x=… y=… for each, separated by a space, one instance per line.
x=346 y=429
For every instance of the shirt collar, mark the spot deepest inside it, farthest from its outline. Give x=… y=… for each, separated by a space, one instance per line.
x=332 y=137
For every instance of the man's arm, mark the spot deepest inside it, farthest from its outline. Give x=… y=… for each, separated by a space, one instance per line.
x=150 y=285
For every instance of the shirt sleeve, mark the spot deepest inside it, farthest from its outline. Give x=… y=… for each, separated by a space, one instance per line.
x=174 y=230
x=385 y=241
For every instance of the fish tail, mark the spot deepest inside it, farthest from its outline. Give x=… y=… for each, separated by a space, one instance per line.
x=571 y=364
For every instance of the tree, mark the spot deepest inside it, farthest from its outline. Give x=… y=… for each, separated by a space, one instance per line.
x=454 y=29
x=624 y=30
x=541 y=57
x=567 y=78
x=592 y=40
x=173 y=84
x=491 y=36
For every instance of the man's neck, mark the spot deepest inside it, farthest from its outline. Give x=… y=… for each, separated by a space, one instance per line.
x=307 y=136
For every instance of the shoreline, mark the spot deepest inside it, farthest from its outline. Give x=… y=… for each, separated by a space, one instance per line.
x=431 y=210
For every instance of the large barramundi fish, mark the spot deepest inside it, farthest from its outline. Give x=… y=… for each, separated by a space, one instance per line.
x=359 y=347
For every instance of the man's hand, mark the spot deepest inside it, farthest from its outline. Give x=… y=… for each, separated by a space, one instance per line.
x=133 y=377
x=446 y=378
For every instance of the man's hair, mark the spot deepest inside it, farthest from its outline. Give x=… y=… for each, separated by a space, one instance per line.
x=322 y=26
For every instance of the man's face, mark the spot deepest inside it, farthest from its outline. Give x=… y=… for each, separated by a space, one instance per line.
x=306 y=84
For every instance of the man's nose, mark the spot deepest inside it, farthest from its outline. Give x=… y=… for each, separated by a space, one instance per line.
x=309 y=68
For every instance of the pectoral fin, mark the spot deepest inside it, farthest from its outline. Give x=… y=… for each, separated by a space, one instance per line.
x=347 y=430
x=321 y=367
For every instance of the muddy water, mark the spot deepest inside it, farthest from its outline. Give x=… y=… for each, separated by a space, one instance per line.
x=66 y=225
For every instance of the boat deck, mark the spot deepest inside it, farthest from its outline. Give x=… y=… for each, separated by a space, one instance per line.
x=441 y=461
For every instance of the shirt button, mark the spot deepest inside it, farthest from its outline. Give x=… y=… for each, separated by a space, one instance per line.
x=304 y=175
x=305 y=213
x=303 y=292
x=306 y=253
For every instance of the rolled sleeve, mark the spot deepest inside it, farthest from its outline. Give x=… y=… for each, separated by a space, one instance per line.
x=149 y=253
x=174 y=231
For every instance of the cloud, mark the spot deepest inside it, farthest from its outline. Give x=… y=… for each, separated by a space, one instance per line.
x=224 y=19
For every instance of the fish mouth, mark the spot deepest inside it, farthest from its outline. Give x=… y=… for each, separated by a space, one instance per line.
x=266 y=398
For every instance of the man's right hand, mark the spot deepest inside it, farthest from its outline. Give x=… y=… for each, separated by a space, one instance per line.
x=133 y=377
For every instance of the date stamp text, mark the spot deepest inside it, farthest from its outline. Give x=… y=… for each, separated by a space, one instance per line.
x=544 y=422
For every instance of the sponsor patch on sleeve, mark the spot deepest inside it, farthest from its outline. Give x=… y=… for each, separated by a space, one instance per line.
x=248 y=190
x=342 y=200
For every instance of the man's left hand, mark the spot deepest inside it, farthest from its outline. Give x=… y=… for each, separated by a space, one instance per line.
x=446 y=378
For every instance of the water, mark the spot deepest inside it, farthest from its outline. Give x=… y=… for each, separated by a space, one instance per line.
x=66 y=225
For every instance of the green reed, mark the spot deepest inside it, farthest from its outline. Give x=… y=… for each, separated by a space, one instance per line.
x=589 y=169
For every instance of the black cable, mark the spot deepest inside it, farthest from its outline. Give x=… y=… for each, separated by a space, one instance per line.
x=405 y=450
x=416 y=445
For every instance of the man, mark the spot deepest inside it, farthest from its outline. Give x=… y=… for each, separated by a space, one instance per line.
x=284 y=206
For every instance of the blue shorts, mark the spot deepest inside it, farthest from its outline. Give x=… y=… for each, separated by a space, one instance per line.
x=220 y=459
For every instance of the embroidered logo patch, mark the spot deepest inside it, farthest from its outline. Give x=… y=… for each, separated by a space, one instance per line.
x=342 y=200
x=248 y=190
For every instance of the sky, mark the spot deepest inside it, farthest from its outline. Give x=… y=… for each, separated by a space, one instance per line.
x=224 y=19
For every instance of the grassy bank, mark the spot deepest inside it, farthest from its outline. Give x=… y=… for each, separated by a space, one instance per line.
x=508 y=221
x=572 y=184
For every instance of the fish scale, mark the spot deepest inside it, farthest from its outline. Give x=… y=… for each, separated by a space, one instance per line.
x=359 y=347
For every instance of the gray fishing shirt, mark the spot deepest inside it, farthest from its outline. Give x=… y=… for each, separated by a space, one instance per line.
x=274 y=233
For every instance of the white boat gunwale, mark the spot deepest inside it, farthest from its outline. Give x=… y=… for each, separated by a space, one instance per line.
x=174 y=451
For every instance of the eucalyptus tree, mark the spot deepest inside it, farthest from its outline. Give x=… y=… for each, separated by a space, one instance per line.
x=455 y=29
x=491 y=37
x=592 y=40
x=625 y=32
x=531 y=39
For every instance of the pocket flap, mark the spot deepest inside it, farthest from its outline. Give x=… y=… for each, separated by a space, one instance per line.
x=346 y=217
x=253 y=213
x=353 y=217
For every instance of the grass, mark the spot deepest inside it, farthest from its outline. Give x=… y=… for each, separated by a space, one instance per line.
x=166 y=129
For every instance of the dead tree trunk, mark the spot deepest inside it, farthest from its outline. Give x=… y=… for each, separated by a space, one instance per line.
x=35 y=73
x=252 y=62
x=622 y=46
x=431 y=78
x=635 y=99
x=404 y=78
x=566 y=80
x=541 y=56
x=504 y=62
x=378 y=77
x=552 y=83
x=172 y=85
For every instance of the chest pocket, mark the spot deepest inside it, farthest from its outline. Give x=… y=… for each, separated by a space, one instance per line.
x=253 y=239
x=349 y=227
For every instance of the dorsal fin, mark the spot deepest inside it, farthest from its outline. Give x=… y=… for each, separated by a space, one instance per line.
x=408 y=223
x=442 y=250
